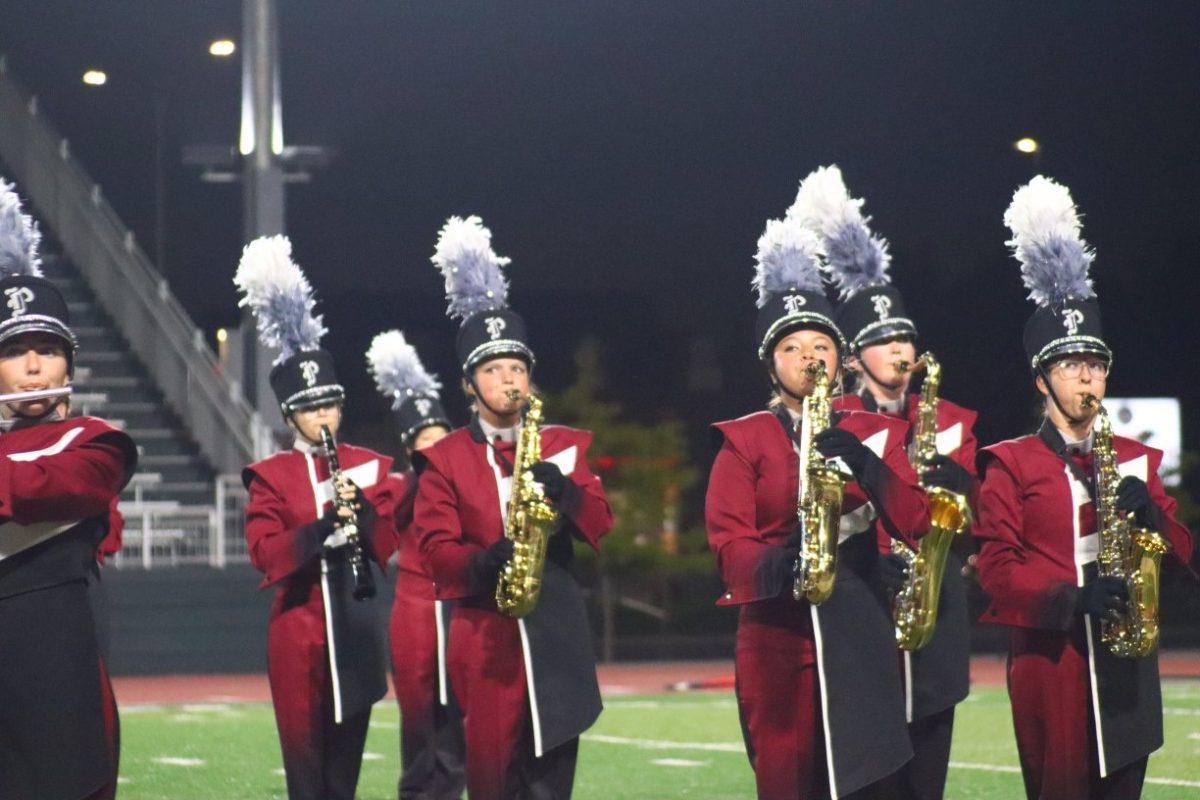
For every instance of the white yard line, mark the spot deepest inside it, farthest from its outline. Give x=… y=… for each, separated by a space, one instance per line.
x=657 y=744
x=738 y=747
x=176 y=761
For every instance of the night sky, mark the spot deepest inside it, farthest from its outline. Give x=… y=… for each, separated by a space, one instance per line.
x=626 y=156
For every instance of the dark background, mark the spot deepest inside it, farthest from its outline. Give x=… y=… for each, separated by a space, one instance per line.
x=626 y=155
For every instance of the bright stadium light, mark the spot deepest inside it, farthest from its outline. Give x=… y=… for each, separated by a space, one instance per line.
x=222 y=335
x=1027 y=145
x=222 y=48
x=95 y=77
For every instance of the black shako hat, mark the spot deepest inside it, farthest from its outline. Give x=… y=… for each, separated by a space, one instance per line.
x=477 y=293
x=281 y=299
x=28 y=304
x=1072 y=327
x=401 y=377
x=857 y=260
x=418 y=413
x=304 y=380
x=1054 y=267
x=873 y=315
x=789 y=311
x=491 y=334
x=791 y=292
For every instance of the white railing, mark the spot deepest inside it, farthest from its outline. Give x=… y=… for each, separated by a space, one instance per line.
x=229 y=432
x=163 y=533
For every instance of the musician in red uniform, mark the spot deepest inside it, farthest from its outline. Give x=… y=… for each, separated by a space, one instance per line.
x=58 y=477
x=432 y=750
x=936 y=677
x=1086 y=720
x=819 y=697
x=527 y=686
x=326 y=655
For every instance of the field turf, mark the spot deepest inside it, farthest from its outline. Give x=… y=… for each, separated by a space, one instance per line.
x=644 y=746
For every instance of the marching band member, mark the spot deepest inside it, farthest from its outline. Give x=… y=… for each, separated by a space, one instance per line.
x=326 y=657
x=527 y=686
x=807 y=673
x=936 y=677
x=431 y=734
x=1086 y=720
x=58 y=479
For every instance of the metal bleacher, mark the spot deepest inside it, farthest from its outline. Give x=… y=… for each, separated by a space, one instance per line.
x=142 y=363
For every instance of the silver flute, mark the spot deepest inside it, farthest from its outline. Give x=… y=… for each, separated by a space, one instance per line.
x=36 y=394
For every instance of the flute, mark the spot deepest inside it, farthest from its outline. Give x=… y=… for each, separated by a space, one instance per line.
x=36 y=394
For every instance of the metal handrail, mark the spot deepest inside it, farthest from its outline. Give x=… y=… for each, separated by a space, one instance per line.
x=227 y=429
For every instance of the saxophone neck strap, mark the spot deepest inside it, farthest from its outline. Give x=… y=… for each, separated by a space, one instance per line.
x=792 y=429
x=478 y=435
x=1054 y=440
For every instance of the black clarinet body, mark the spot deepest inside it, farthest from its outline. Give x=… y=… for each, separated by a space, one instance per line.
x=364 y=582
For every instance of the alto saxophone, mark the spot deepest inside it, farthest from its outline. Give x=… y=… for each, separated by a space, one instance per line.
x=530 y=520
x=1127 y=552
x=820 y=498
x=360 y=566
x=915 y=606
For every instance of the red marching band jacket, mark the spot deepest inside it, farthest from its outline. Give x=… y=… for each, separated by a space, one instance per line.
x=460 y=508
x=938 y=675
x=413 y=575
x=289 y=492
x=58 y=480
x=751 y=507
x=1037 y=538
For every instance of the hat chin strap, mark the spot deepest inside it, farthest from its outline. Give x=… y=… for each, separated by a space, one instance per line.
x=862 y=364
x=479 y=398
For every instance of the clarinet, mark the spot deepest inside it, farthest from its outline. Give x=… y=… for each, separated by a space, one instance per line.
x=364 y=582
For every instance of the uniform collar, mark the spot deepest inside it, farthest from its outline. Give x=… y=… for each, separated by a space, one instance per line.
x=494 y=434
x=894 y=407
x=18 y=423
x=301 y=445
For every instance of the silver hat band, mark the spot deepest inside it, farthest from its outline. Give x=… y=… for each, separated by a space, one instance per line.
x=1072 y=344
x=312 y=396
x=498 y=347
x=799 y=318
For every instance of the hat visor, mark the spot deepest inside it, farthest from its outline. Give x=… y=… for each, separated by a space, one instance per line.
x=313 y=397
x=36 y=323
x=1072 y=345
x=884 y=329
x=501 y=348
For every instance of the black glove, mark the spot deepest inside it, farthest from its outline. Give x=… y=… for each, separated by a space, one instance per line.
x=839 y=443
x=776 y=570
x=1103 y=596
x=893 y=570
x=1134 y=495
x=946 y=473
x=486 y=565
x=553 y=482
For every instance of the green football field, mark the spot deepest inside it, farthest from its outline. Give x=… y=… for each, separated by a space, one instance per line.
x=644 y=746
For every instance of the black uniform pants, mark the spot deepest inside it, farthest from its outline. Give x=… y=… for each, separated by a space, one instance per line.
x=924 y=778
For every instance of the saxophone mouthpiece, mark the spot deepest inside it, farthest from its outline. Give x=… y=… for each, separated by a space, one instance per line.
x=514 y=395
x=1090 y=401
x=814 y=369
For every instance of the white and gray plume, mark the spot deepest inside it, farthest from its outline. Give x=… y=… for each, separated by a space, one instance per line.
x=854 y=257
x=787 y=260
x=397 y=369
x=1046 y=240
x=473 y=272
x=276 y=291
x=19 y=236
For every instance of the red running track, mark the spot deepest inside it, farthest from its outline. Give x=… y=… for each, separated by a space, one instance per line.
x=628 y=678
